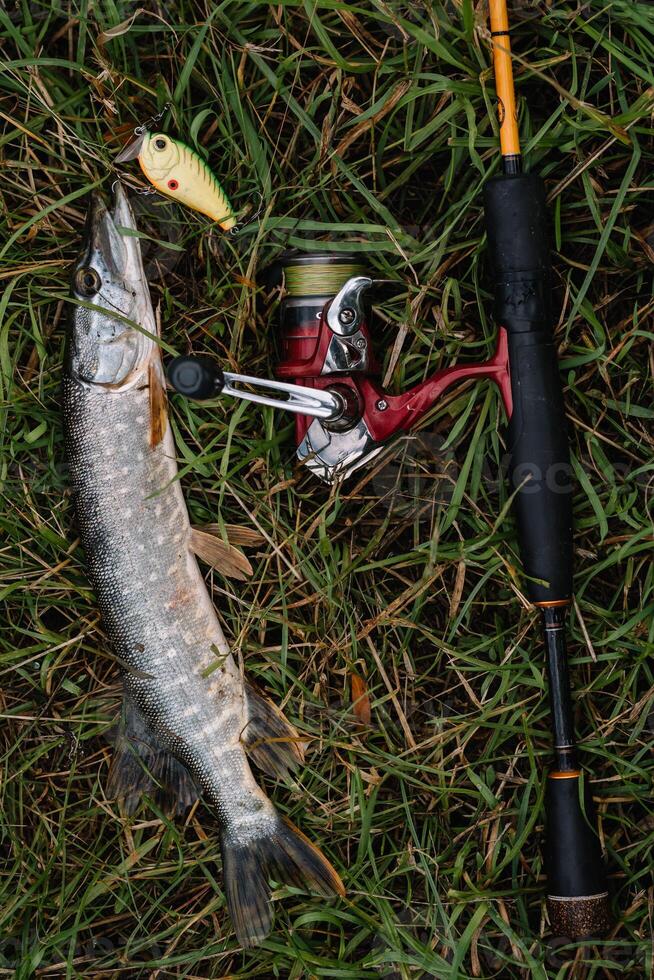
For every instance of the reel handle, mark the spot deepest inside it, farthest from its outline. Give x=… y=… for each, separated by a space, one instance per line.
x=199 y=377
x=196 y=376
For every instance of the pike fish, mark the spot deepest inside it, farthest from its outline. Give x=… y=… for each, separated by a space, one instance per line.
x=190 y=720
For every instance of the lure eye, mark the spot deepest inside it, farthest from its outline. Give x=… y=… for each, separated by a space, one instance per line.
x=87 y=281
x=173 y=185
x=159 y=143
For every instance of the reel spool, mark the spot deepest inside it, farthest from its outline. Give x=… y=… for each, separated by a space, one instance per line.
x=314 y=346
x=311 y=282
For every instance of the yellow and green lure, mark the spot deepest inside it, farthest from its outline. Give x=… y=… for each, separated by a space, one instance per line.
x=181 y=174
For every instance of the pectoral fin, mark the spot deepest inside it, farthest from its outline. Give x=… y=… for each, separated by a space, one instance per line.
x=158 y=403
x=247 y=537
x=224 y=557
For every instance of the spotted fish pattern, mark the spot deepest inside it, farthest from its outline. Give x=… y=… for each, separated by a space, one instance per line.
x=190 y=718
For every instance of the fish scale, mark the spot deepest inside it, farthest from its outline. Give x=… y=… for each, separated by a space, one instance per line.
x=140 y=625
x=190 y=719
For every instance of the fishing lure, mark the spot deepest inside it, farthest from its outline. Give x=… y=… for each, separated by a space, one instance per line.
x=180 y=173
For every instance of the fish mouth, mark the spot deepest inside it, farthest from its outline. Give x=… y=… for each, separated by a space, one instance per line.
x=123 y=216
x=105 y=239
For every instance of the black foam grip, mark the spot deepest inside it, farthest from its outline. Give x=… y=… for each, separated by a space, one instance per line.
x=573 y=855
x=538 y=448
x=539 y=464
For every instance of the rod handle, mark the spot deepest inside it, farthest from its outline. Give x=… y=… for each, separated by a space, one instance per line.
x=539 y=466
x=577 y=899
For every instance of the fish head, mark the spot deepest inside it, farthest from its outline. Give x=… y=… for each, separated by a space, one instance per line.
x=111 y=337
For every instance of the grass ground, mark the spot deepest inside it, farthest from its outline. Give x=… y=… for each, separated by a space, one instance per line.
x=368 y=123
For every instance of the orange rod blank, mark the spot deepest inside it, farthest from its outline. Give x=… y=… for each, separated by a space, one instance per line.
x=506 y=108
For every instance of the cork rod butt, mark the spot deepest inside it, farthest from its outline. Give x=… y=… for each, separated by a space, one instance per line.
x=578 y=899
x=580 y=917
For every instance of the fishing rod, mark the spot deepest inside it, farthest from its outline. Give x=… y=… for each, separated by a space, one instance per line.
x=539 y=475
x=328 y=376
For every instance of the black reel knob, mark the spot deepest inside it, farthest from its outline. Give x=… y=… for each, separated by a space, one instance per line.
x=196 y=376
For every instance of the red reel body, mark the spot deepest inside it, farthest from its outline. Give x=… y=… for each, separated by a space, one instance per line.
x=327 y=373
x=325 y=343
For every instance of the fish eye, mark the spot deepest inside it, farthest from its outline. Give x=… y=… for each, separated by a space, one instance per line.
x=87 y=281
x=160 y=143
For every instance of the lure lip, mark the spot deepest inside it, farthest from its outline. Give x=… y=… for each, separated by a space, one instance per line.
x=132 y=150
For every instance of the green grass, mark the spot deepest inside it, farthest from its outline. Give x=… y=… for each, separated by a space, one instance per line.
x=369 y=123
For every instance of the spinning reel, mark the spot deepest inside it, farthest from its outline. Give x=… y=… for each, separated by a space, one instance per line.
x=327 y=373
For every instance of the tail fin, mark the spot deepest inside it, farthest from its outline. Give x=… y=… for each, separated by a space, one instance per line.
x=281 y=852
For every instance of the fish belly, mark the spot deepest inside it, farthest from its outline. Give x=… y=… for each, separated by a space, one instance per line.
x=135 y=532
